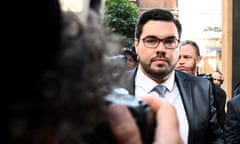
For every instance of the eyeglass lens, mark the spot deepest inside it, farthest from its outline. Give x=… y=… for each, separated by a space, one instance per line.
x=153 y=42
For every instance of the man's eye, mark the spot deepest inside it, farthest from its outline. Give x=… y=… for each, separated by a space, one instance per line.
x=187 y=57
x=169 y=41
x=151 y=40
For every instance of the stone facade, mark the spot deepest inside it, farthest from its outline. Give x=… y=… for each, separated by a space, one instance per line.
x=149 y=4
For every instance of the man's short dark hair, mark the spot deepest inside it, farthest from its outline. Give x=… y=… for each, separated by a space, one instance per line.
x=193 y=44
x=158 y=15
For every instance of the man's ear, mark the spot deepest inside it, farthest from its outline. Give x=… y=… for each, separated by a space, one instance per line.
x=136 y=44
x=199 y=58
x=221 y=82
x=180 y=44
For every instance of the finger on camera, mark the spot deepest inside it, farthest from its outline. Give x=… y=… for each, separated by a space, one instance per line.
x=161 y=107
x=155 y=102
x=167 y=131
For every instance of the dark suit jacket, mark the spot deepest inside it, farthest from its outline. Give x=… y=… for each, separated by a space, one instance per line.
x=197 y=99
x=232 y=121
x=219 y=102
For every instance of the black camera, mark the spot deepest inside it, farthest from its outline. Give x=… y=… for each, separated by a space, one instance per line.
x=141 y=112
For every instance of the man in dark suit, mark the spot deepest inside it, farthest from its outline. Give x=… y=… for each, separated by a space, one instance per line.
x=189 y=58
x=220 y=101
x=219 y=96
x=232 y=121
x=157 y=39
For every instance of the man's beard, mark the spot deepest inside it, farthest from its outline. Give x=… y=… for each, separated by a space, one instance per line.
x=160 y=75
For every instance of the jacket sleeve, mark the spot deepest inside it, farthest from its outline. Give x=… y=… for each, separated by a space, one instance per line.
x=232 y=123
x=215 y=132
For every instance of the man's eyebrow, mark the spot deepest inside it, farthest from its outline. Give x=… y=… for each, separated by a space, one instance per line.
x=171 y=37
x=153 y=36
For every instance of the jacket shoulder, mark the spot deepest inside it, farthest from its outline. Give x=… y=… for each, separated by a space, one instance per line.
x=190 y=77
x=235 y=100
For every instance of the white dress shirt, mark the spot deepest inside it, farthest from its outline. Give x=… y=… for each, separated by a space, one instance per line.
x=144 y=86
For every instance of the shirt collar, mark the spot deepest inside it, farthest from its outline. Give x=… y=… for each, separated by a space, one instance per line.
x=148 y=84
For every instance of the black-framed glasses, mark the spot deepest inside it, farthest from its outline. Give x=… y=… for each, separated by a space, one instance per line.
x=153 y=42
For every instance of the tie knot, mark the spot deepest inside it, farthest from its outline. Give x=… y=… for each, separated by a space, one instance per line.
x=160 y=89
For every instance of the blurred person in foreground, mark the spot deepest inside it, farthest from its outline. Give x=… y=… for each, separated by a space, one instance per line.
x=157 y=41
x=58 y=102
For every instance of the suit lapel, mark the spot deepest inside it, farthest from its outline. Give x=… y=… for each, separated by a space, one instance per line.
x=130 y=81
x=185 y=91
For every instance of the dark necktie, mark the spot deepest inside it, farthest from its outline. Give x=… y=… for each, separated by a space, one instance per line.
x=160 y=89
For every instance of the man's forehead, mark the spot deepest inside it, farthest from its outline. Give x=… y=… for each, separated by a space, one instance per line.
x=150 y=29
x=187 y=50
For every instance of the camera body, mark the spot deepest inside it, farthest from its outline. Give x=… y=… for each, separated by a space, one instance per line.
x=141 y=112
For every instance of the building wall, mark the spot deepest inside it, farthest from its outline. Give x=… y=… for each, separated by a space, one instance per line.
x=171 y=5
x=236 y=43
x=227 y=45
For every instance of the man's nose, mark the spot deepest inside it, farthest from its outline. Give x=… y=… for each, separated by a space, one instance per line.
x=161 y=46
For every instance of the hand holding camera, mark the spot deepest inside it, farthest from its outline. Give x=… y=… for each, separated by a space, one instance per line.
x=140 y=111
x=125 y=129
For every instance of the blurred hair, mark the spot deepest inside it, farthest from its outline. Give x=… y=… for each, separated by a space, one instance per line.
x=66 y=75
x=87 y=76
x=96 y=5
x=33 y=46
